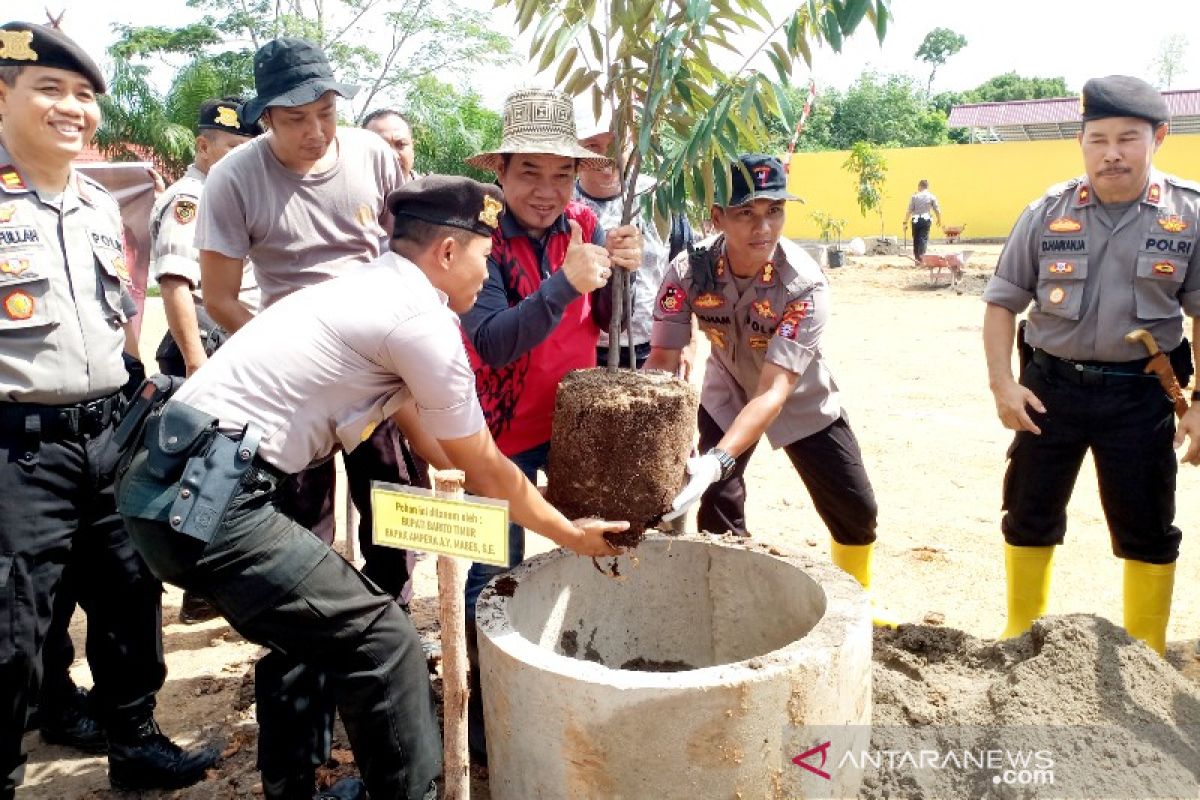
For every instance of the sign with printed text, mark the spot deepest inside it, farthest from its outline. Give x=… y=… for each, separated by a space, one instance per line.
x=411 y=518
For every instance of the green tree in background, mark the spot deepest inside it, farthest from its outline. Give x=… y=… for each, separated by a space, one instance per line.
x=1170 y=61
x=869 y=168
x=449 y=126
x=1000 y=89
x=887 y=110
x=937 y=47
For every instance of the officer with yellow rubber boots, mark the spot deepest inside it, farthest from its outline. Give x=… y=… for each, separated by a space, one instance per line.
x=64 y=344
x=1099 y=257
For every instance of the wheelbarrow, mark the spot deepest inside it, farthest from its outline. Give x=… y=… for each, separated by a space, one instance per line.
x=952 y=232
x=953 y=263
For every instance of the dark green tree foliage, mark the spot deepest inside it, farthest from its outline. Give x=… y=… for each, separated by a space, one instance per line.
x=883 y=110
x=449 y=126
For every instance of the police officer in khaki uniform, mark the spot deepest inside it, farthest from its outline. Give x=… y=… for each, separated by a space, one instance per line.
x=1098 y=257
x=763 y=303
x=312 y=374
x=63 y=328
x=192 y=335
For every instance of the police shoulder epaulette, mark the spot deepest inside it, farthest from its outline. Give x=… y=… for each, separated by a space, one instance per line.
x=1054 y=192
x=1182 y=183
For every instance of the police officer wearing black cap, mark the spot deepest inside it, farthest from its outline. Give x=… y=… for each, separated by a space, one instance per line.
x=1099 y=256
x=312 y=374
x=64 y=345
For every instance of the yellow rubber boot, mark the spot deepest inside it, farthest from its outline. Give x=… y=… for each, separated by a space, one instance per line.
x=1028 y=573
x=856 y=559
x=1148 y=590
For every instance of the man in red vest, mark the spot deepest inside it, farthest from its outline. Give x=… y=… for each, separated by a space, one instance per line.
x=546 y=298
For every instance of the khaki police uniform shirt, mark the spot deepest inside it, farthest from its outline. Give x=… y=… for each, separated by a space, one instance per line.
x=922 y=203
x=1092 y=281
x=299 y=229
x=172 y=238
x=62 y=302
x=318 y=370
x=779 y=319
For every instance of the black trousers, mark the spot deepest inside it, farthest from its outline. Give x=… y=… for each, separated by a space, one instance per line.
x=56 y=512
x=170 y=357
x=333 y=634
x=1128 y=424
x=829 y=462
x=920 y=228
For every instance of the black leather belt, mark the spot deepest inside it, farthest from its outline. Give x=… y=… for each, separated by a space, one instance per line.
x=61 y=422
x=1092 y=373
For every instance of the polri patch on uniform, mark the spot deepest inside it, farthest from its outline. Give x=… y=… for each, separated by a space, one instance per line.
x=1171 y=224
x=716 y=336
x=672 y=298
x=760 y=343
x=709 y=300
x=1057 y=295
x=1164 y=268
x=13 y=266
x=7 y=211
x=11 y=178
x=763 y=308
x=18 y=305
x=1154 y=194
x=1062 y=268
x=1065 y=225
x=184 y=211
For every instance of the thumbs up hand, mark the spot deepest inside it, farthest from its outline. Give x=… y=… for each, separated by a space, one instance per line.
x=586 y=265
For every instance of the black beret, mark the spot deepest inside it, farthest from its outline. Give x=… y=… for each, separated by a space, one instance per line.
x=1122 y=96
x=450 y=200
x=226 y=115
x=24 y=44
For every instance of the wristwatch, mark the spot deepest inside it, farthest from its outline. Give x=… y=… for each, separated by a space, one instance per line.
x=728 y=463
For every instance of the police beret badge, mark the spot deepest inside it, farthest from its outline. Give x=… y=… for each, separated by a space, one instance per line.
x=490 y=215
x=17 y=46
x=184 y=211
x=227 y=116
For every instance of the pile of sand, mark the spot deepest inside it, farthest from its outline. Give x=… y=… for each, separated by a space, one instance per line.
x=1092 y=713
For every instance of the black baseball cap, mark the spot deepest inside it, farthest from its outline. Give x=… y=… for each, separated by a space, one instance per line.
x=767 y=179
x=450 y=200
x=26 y=44
x=1122 y=96
x=291 y=72
x=225 y=114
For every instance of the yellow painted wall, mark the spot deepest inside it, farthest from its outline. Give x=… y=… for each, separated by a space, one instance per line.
x=983 y=186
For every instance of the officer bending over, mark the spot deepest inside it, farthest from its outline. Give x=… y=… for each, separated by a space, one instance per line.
x=312 y=374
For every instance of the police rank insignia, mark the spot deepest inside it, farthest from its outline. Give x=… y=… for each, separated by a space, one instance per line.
x=13 y=266
x=1171 y=224
x=184 y=211
x=18 y=305
x=1061 y=268
x=716 y=336
x=763 y=309
x=721 y=267
x=11 y=178
x=6 y=212
x=1057 y=295
x=760 y=343
x=1065 y=225
x=768 y=273
x=1085 y=194
x=709 y=300
x=226 y=116
x=1154 y=194
x=17 y=46
x=1164 y=268
x=671 y=300
x=490 y=215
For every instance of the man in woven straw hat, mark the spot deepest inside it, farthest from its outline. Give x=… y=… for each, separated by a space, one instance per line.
x=546 y=298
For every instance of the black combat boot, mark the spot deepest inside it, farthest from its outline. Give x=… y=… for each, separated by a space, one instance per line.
x=142 y=757
x=195 y=608
x=69 y=722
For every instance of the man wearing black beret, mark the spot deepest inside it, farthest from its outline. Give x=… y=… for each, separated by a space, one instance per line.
x=66 y=348
x=310 y=375
x=1100 y=256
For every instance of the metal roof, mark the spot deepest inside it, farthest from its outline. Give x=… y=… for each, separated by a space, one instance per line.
x=1056 y=117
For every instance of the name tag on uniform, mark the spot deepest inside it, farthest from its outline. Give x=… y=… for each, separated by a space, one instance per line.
x=18 y=235
x=411 y=518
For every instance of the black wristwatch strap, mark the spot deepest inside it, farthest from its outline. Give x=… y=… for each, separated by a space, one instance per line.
x=728 y=463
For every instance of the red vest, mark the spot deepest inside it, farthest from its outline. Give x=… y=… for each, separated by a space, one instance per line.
x=518 y=399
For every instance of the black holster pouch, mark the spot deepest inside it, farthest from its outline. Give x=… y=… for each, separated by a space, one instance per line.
x=150 y=395
x=1181 y=362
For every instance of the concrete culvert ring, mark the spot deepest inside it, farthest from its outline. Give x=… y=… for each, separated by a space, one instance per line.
x=727 y=650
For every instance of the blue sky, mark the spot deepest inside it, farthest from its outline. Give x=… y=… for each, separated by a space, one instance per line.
x=1071 y=38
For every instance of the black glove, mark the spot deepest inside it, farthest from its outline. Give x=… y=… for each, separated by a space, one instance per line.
x=137 y=374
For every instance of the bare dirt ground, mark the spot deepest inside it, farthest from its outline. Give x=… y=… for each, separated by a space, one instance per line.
x=907 y=356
